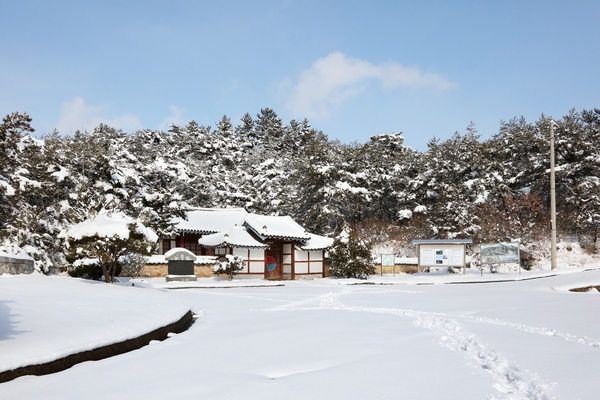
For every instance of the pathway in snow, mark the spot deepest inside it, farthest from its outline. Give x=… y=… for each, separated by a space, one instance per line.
x=541 y=331
x=510 y=380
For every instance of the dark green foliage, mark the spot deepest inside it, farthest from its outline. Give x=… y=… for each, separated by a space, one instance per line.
x=351 y=257
x=91 y=271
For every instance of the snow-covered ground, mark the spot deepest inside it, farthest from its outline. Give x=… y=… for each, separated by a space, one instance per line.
x=528 y=339
x=46 y=318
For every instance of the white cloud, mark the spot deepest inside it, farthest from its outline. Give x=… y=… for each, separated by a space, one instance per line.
x=76 y=115
x=333 y=79
x=176 y=117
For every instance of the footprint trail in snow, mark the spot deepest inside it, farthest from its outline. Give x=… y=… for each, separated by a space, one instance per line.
x=510 y=380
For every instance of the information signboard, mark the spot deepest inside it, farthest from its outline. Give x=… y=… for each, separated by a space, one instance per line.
x=500 y=253
x=442 y=255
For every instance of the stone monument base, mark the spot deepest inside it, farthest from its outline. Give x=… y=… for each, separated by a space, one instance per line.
x=181 y=278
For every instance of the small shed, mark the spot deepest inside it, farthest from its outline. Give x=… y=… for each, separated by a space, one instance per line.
x=180 y=265
x=14 y=260
x=442 y=253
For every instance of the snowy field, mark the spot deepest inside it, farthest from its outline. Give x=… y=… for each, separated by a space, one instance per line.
x=528 y=339
x=45 y=318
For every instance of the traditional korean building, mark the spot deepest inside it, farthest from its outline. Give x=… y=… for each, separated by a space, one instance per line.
x=272 y=247
x=201 y=222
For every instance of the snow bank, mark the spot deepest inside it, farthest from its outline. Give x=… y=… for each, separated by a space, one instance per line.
x=46 y=318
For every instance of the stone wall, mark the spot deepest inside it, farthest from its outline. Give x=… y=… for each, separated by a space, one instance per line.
x=398 y=269
x=15 y=266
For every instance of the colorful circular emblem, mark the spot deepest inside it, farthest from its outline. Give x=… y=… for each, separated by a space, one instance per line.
x=271 y=264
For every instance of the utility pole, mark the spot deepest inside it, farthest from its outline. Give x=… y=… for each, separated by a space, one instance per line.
x=552 y=199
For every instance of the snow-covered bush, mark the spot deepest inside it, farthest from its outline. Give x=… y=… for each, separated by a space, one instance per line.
x=231 y=266
x=108 y=238
x=132 y=264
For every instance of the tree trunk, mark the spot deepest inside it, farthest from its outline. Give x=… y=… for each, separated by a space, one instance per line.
x=106 y=273
x=113 y=270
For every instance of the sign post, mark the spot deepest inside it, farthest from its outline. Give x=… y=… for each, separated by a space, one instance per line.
x=552 y=200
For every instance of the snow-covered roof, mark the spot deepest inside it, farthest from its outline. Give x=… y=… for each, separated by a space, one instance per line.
x=317 y=242
x=443 y=241
x=276 y=227
x=179 y=253
x=227 y=227
x=211 y=220
x=237 y=236
x=14 y=252
x=105 y=225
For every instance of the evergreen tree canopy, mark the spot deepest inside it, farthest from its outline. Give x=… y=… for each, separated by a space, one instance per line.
x=493 y=190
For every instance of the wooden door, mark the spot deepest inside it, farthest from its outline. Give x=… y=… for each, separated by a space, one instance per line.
x=274 y=262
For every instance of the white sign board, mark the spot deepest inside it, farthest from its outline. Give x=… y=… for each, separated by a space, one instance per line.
x=441 y=255
x=388 y=260
x=500 y=253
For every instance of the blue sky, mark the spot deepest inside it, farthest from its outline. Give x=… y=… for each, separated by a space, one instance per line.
x=352 y=68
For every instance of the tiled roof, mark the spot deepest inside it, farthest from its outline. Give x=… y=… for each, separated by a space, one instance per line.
x=211 y=220
x=317 y=242
x=237 y=236
x=275 y=227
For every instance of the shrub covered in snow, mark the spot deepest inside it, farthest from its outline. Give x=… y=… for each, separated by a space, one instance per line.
x=108 y=238
x=132 y=264
x=231 y=266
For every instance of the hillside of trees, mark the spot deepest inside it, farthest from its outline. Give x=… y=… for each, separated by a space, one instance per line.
x=464 y=187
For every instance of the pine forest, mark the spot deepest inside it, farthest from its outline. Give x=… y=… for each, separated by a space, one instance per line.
x=489 y=190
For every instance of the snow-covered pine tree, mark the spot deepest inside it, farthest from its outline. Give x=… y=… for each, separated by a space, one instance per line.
x=578 y=177
x=453 y=185
x=269 y=129
x=314 y=177
x=520 y=153
x=351 y=256
x=28 y=217
x=392 y=169
x=12 y=129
